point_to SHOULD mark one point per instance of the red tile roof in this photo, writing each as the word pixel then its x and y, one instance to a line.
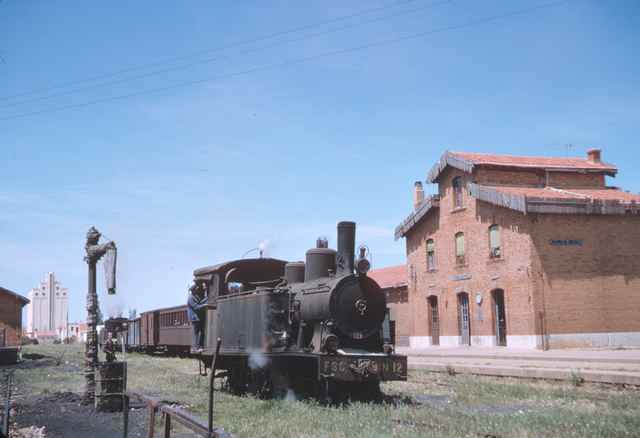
pixel 608 194
pixel 536 162
pixel 551 193
pixel 466 161
pixel 390 277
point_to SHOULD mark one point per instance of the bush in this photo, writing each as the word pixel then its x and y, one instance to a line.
pixel 576 378
pixel 57 341
pixel 25 340
pixel 450 370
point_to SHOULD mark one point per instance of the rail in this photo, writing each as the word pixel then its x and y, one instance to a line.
pixel 6 408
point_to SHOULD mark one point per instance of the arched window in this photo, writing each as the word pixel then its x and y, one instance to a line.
pixel 434 320
pixel 457 191
pixel 431 255
pixel 460 259
pixel 495 250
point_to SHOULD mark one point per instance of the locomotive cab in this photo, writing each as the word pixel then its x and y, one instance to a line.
pixel 233 289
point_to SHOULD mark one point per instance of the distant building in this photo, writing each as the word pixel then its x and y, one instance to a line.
pixel 47 314
pixel 11 305
pixel 529 252
pixel 78 331
pixel 393 281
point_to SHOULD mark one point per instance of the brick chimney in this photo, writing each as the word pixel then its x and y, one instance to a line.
pixel 593 155
pixel 418 195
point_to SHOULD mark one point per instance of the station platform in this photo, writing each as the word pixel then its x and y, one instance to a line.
pixel 613 366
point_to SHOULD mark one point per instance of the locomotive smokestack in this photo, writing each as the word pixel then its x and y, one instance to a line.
pixel 346 246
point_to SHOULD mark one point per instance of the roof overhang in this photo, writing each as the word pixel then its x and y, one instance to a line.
pixel 495 197
pixel 448 159
pixel 427 205
pixel 400 285
pixel 20 298
pixel 550 205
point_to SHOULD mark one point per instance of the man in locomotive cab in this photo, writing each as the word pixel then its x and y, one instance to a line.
pixel 196 311
pixel 109 347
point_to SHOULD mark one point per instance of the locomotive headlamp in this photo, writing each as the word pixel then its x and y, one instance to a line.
pixel 363 266
pixel 331 344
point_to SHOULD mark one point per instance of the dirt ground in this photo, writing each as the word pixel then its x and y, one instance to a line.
pixel 61 412
pixel 63 415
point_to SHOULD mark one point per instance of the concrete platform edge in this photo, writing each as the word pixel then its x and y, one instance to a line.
pixel 618 378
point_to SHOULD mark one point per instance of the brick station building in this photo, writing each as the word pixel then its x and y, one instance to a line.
pixel 525 252
pixel 11 305
pixel 393 281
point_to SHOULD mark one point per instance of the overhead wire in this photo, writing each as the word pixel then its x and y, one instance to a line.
pixel 221 58
pixel 272 66
pixel 215 49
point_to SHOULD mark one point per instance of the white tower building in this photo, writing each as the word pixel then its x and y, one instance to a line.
pixel 47 313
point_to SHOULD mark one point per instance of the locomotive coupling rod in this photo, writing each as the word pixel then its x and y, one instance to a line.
pixel 211 379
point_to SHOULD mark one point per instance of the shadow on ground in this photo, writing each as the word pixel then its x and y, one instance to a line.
pixel 63 415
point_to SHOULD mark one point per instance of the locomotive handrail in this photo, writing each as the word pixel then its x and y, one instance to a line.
pixel 273 282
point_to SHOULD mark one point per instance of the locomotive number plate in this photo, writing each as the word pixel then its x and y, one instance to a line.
pixel 357 368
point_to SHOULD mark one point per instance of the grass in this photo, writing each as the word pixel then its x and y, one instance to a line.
pixel 443 404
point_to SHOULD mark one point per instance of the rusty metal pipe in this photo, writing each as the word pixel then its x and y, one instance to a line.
pixel 211 379
pixel 178 415
pixel 125 413
pixel 152 421
pixel 167 426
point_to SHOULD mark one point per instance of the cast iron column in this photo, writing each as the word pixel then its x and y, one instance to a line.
pixel 94 253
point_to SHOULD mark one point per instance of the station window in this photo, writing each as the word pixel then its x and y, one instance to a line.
pixel 460 250
pixel 457 191
pixel 431 255
pixel 495 250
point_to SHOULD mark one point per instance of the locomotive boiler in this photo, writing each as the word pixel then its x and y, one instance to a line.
pixel 319 327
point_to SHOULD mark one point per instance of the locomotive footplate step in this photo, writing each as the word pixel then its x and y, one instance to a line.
pixel 363 367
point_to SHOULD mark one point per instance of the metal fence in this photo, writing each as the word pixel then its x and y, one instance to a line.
pixel 171 415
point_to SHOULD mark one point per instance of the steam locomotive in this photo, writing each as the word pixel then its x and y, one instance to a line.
pixel 319 327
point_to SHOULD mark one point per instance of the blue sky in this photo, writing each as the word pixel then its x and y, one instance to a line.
pixel 199 174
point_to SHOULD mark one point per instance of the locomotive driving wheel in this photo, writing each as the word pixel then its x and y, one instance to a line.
pixel 337 393
pixel 263 382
